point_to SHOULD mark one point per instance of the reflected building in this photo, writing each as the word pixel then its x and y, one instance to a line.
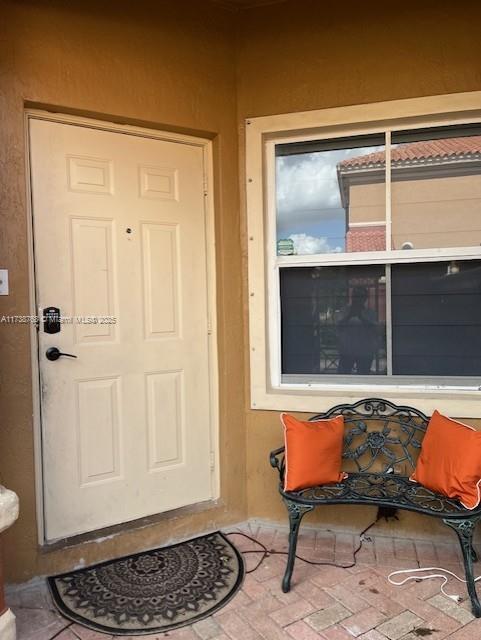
pixel 435 195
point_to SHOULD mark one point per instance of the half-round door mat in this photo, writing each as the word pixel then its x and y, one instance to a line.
pixel 154 591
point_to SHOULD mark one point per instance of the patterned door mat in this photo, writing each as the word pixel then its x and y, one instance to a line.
pixel 154 591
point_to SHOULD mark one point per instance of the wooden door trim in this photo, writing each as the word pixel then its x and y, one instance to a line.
pixel 206 145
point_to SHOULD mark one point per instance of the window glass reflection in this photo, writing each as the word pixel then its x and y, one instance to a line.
pixel 321 207
pixel 333 320
pixel 436 318
pixel 436 189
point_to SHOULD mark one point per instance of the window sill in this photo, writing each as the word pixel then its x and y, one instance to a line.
pixel 458 402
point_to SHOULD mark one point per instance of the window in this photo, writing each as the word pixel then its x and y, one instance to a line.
pixel 390 319
pixel 371 248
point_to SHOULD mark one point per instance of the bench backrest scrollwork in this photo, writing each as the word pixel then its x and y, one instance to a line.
pixel 380 436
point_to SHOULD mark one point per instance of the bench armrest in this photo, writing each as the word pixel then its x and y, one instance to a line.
pixel 277 461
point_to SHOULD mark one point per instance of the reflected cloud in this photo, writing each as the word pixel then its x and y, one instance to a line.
pixel 307 183
pixel 307 245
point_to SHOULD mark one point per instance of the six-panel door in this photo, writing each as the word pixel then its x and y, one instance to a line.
pixel 120 249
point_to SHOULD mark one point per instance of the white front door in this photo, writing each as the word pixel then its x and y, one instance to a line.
pixel 120 249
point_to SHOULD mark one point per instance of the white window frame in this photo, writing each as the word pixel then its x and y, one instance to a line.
pixel 262 134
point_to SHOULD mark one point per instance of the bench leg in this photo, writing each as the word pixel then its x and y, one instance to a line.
pixel 296 513
pixel 464 530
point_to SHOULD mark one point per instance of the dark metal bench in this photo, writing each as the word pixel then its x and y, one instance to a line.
pixel 381 444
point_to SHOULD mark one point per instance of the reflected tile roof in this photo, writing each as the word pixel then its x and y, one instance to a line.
pixel 366 239
pixel 445 149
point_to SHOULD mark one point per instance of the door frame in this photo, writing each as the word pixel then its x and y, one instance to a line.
pixel 209 216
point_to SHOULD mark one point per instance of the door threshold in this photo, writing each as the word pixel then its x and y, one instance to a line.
pixel 140 523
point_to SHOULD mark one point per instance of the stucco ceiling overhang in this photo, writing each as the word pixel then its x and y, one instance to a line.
pixel 245 4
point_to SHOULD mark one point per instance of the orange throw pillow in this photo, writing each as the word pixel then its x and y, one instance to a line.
pixel 450 460
pixel 313 452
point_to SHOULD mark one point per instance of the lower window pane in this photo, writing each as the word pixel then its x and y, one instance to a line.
pixel 333 320
pixel 436 312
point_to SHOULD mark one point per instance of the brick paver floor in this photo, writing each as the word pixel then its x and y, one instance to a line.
pixel 325 603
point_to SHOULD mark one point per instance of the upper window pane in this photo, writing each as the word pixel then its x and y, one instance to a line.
pixel 436 188
pixel 324 202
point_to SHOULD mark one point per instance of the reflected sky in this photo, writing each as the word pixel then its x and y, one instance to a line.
pixel 309 209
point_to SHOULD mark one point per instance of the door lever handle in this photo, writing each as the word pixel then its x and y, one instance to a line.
pixel 53 354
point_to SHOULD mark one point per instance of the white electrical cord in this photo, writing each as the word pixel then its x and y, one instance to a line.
pixel 445 579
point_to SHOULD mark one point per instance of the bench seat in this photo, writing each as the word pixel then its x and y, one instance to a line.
pixel 381 490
